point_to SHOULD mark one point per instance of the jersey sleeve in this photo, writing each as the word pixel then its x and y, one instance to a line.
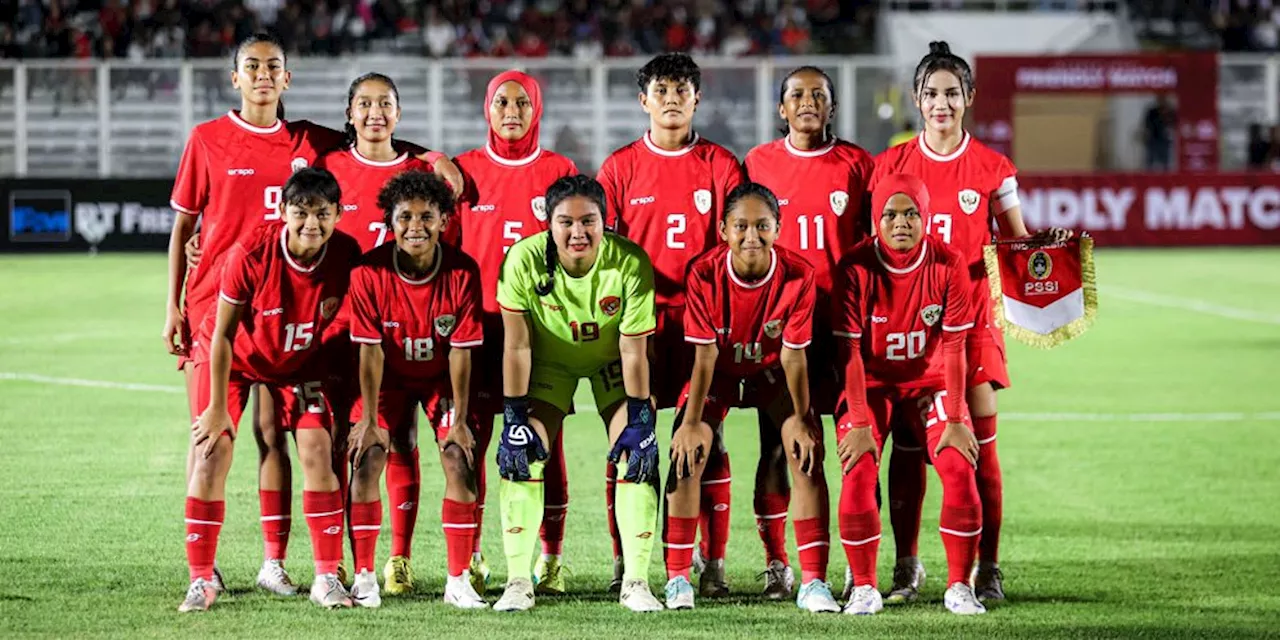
pixel 798 332
pixel 639 316
pixel 699 327
pixel 366 323
pixel 611 181
pixel 846 320
pixel 237 283
pixel 515 283
pixel 469 332
pixel 191 186
pixel 1005 197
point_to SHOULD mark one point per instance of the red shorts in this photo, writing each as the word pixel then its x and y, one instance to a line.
pixel 671 358
pixel 298 406
pixel 922 414
pixel 759 391
pixel 397 406
pixel 984 350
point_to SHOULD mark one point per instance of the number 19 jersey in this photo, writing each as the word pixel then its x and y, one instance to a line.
pixel 577 326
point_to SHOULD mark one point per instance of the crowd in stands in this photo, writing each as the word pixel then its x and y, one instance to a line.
pixel 587 29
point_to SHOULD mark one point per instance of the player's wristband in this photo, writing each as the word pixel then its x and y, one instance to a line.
pixel 515 410
pixel 640 412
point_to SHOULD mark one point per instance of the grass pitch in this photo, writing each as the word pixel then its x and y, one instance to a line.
pixel 1140 481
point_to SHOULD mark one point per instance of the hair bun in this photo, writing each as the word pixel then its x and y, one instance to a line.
pixel 939 47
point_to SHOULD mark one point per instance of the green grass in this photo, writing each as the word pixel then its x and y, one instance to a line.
pixel 1114 527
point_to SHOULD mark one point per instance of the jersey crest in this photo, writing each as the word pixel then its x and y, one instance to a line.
pixel 539 206
pixel 773 329
pixel 329 307
pixel 839 200
pixel 969 201
pixel 610 305
pixel 702 200
pixel 298 164
pixel 445 324
pixel 931 314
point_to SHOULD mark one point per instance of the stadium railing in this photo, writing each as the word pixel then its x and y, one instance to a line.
pixel 119 119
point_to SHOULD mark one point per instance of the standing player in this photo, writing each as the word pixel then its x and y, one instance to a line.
pixel 900 297
pixel 367 161
pixel 821 184
pixel 230 182
pixel 666 191
pixel 750 313
pixel 504 201
pixel 415 314
pixel 577 303
pixel 280 289
pixel 971 187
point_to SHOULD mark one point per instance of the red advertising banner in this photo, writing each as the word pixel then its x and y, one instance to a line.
pixel 1190 78
pixel 1157 209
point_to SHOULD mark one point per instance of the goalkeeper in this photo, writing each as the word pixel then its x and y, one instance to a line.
pixel 577 302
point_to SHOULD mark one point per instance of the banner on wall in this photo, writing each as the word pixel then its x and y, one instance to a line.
pixel 1191 78
pixel 80 215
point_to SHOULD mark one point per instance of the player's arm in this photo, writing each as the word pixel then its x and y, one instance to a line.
pixel 1007 210
pixel 184 227
pixel 460 378
pixel 634 351
pixel 517 354
pixel 797 431
pixel 847 325
pixel 216 419
pixel 957 320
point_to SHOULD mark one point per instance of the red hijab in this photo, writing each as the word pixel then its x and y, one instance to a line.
pixel 525 146
pixel 889 186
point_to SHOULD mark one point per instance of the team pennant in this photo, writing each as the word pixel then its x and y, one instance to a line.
pixel 1044 295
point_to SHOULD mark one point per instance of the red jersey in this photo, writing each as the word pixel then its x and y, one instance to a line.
pixel 670 203
pixel 416 321
pixel 286 307
pixel 232 175
pixel 361 180
pixel 967 189
pixel 823 196
pixel 750 323
pixel 899 314
pixel 503 202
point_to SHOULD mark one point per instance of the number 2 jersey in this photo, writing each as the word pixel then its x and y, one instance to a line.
pixel 749 322
pixel 669 203
pixel 285 306
pixel 416 320
pixel 577 326
pixel 232 175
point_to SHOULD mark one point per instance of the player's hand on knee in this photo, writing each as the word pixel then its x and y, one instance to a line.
pixel 959 437
pixel 208 429
pixel 518 441
pixel 364 436
pixel 690 446
pixel 800 443
pixel 172 334
pixel 460 435
pixel 639 441
pixel 193 251
pixel 858 442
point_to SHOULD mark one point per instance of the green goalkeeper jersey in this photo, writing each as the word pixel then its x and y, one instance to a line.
pixel 576 327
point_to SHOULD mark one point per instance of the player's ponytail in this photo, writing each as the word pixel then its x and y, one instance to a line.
pixel 349 129
pixel 940 58
pixel 578 186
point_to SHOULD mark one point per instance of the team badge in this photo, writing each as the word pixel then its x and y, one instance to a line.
pixel 702 200
pixel 298 164
pixel 1040 265
pixel 329 307
pixel 839 200
pixel 610 305
pixel 773 328
pixel 539 206
pixel 931 314
pixel 445 324
pixel 969 200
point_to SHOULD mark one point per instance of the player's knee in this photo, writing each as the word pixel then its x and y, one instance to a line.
pixel 371 466
pixel 454 461
pixel 959 479
pixel 316 454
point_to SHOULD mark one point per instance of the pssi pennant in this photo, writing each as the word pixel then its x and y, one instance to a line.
pixel 1043 294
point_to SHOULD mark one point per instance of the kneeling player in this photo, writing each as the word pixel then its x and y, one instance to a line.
pixel 750 313
pixel 577 302
pixel 414 313
pixel 281 288
pixel 898 298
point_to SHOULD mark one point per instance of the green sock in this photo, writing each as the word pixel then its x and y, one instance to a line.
pixel 521 515
pixel 636 508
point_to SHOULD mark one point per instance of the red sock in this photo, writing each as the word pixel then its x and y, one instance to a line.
pixel 813 545
pixel 555 485
pixel 366 523
pixel 403 487
pixel 907 482
pixel 961 519
pixel 860 521
pixel 990 489
pixel 714 509
pixel 204 523
pixel 771 522
pixel 610 484
pixel 459 521
pixel 275 507
pixel 324 518
pixel 485 430
pixel 679 545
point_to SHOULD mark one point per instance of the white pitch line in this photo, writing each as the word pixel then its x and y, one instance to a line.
pixel 1190 304
pixel 99 384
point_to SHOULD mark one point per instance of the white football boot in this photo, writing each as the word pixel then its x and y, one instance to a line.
pixel 637 597
pixel 275 579
pixel 459 592
pixel 865 601
pixel 815 597
pixel 365 591
pixel 200 595
pixel 679 593
pixel 961 601
pixel 518 596
pixel 327 591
